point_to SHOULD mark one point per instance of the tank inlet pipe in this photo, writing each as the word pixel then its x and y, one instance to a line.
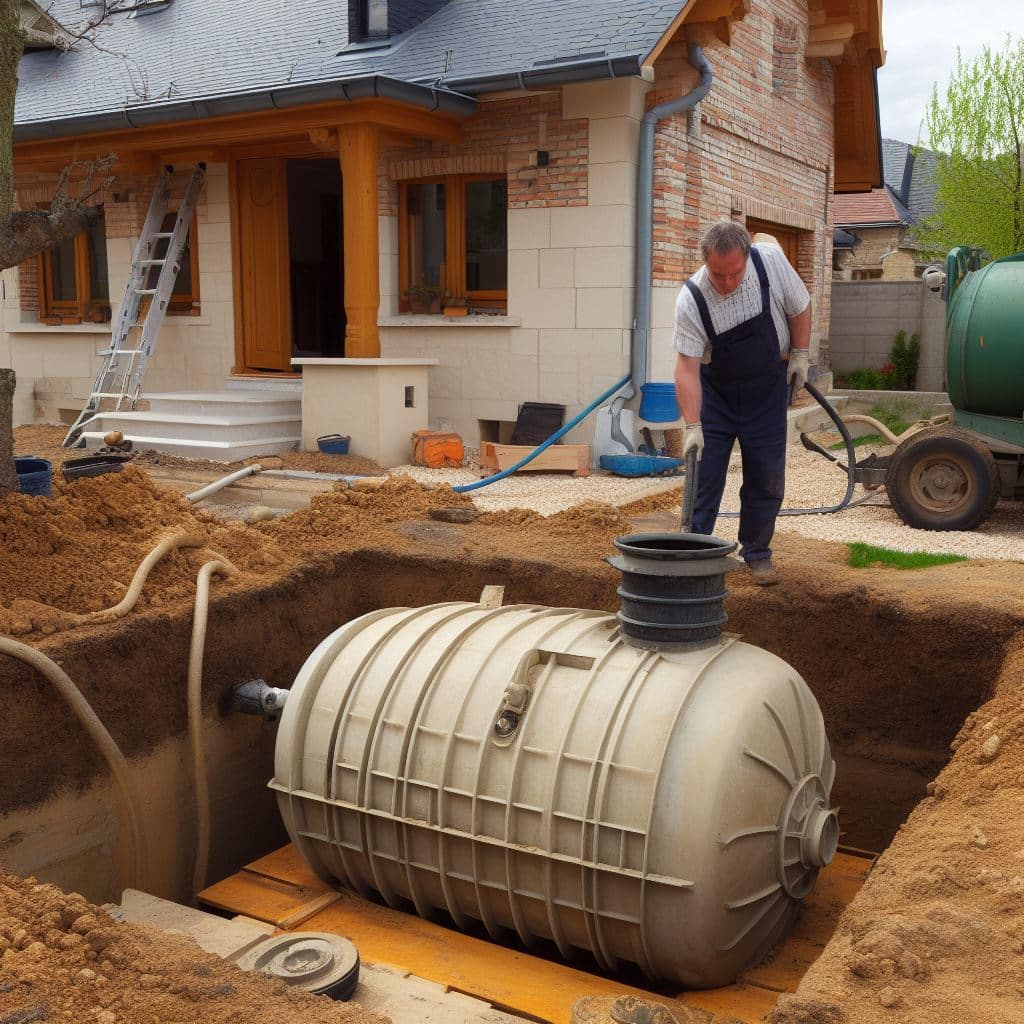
pixel 557 435
pixel 224 481
pixel 257 697
pixel 645 213
pixel 130 852
pixel 222 567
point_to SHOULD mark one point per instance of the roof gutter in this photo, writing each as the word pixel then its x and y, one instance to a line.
pixel 423 97
pixel 551 74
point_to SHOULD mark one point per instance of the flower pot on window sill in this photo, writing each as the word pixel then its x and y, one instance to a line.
pixel 456 309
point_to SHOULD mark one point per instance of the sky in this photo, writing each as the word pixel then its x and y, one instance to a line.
pixel 921 38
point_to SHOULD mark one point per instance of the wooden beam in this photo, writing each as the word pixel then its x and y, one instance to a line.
pixel 360 148
pixel 831 51
pixel 239 129
pixel 669 34
pixel 833 32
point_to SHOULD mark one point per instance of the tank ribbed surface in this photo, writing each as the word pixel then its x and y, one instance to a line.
pixel 524 768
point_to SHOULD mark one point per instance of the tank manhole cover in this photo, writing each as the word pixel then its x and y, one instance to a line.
pixel 315 961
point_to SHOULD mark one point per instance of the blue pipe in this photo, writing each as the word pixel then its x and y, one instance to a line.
pixel 557 435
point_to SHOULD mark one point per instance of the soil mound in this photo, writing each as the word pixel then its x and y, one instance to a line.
pixel 62 959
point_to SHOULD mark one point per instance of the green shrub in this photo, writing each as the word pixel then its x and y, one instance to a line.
pixel 904 357
pixel 898 373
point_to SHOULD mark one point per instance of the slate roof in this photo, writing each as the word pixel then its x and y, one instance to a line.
pixel 859 209
pixel 195 49
pixel 911 176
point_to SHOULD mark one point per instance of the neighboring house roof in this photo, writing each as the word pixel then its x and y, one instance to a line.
pixel 843 239
pixel 876 208
pixel 197 49
pixel 910 173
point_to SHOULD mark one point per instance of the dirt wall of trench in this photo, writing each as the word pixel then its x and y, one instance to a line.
pixel 896 675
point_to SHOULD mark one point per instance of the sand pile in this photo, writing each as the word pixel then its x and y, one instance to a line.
pixel 937 934
pixel 62 959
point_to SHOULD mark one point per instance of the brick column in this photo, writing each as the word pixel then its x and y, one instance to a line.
pixel 359 146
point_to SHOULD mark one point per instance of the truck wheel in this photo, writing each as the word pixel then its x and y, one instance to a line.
pixel 942 479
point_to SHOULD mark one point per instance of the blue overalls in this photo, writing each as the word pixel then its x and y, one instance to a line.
pixel 745 395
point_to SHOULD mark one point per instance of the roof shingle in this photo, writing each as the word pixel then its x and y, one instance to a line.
pixel 195 49
pixel 854 209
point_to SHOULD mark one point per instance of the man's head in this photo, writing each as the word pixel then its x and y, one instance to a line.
pixel 725 248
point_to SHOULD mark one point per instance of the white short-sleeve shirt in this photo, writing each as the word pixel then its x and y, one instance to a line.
pixel 789 297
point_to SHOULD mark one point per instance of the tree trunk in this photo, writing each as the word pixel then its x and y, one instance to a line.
pixel 8 475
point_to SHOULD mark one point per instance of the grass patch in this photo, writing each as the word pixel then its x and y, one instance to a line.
pixel 863 556
pixel 890 415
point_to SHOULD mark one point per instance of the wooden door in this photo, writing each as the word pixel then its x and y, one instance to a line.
pixel 788 238
pixel 264 263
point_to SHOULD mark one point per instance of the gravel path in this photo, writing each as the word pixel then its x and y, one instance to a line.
pixel 545 493
pixel 810 481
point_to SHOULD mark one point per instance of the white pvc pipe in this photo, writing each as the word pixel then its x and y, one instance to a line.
pixel 130 854
pixel 224 481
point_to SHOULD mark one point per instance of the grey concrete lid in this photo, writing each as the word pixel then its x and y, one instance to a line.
pixel 196 49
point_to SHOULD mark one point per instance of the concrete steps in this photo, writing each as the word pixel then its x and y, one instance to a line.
pixel 223 426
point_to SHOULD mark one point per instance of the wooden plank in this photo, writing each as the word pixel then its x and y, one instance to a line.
pixel 748 1004
pixel 507 978
pixel 571 457
pixel 287 865
pixel 280 888
pixel 836 887
pixel 278 903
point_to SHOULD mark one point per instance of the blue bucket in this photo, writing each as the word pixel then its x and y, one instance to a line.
pixel 333 444
pixel 35 476
pixel 658 404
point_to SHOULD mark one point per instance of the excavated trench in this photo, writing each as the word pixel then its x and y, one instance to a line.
pixel 895 679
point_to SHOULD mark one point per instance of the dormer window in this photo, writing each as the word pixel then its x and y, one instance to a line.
pixel 373 19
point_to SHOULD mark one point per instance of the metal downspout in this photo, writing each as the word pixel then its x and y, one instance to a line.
pixel 645 215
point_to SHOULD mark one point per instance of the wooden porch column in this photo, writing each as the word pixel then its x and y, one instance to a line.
pixel 359 145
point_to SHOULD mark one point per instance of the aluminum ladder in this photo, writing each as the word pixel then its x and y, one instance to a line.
pixel 133 339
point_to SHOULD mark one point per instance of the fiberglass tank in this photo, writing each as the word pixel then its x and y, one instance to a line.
pixel 645 791
pixel 985 340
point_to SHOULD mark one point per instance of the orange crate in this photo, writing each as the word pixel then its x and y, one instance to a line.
pixel 574 458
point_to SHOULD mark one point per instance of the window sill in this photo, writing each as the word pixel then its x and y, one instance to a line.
pixel 439 320
pixel 33 328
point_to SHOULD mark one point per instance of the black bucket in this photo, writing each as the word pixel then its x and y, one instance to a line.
pixel 673 588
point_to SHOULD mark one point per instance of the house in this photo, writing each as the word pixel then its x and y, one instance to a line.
pixel 369 162
pixel 877 236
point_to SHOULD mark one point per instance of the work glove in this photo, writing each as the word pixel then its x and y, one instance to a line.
pixel 796 372
pixel 693 437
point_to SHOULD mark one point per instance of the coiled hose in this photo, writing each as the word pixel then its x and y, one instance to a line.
pixel 851 468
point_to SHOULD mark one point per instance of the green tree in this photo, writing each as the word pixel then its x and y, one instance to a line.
pixel 977 127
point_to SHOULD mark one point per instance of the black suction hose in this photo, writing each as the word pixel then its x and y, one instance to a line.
pixel 851 459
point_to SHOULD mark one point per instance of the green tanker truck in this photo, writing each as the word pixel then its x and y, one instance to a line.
pixel 950 476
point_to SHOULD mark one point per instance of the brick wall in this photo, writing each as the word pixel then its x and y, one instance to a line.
pixel 761 146
pixel 500 137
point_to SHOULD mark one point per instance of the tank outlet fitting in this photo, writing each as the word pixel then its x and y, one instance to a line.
pixel 820 839
pixel 257 697
pixel 673 589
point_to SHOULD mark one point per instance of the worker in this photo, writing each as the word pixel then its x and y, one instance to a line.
pixel 743 327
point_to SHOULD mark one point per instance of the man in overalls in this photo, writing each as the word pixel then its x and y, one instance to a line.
pixel 743 326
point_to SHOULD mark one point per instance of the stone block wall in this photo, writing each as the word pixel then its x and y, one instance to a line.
pixel 571 241
pixel 866 316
